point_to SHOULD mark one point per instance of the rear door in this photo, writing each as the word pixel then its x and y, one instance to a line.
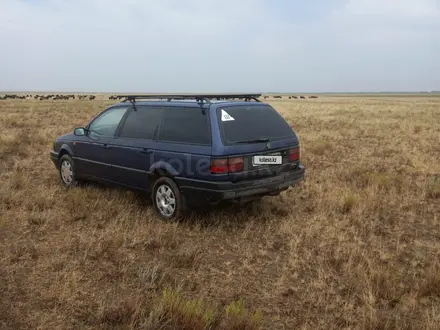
pixel 131 151
pixel 261 136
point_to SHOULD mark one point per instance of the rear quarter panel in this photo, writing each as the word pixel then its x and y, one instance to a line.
pixel 187 160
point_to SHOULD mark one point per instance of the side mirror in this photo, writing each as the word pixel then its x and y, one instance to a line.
pixel 79 131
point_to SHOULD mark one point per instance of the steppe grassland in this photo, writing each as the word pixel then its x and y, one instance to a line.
pixel 356 245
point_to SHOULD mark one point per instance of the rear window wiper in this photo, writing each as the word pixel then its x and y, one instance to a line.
pixel 260 140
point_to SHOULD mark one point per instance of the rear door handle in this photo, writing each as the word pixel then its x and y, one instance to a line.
pixel 106 146
pixel 145 151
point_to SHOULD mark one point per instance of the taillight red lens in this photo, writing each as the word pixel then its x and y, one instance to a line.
pixel 219 166
pixel 236 164
pixel 294 154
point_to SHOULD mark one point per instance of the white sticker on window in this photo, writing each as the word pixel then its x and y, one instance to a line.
pixel 226 116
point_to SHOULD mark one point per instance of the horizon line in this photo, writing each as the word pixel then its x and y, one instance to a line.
pixel 191 93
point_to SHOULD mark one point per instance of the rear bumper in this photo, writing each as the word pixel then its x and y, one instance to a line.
pixel 54 157
pixel 218 191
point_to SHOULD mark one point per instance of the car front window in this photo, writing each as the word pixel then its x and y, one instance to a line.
pixel 106 124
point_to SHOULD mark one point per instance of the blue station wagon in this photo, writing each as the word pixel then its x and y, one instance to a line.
pixel 185 150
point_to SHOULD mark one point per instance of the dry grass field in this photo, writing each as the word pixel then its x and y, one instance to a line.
pixel 355 246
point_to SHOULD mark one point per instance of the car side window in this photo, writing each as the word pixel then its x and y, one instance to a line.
pixel 141 123
pixel 185 125
pixel 106 124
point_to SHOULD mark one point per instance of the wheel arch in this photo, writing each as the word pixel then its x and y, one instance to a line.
pixel 163 167
pixel 158 170
pixel 65 149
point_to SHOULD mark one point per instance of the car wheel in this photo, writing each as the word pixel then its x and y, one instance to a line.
pixel 167 199
pixel 67 171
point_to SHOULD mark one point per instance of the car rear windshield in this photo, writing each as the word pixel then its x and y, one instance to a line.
pixel 249 123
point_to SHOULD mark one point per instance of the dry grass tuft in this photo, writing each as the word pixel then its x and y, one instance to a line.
pixel 348 203
pixel 320 147
pixel 433 187
pixel 355 246
pixel 172 311
pixel 239 318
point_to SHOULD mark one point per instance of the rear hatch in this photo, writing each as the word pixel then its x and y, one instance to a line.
pixel 259 137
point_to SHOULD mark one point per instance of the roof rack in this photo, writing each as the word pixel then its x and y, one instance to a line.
pixel 198 97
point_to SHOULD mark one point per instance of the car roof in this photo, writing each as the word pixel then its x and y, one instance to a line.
pixel 190 103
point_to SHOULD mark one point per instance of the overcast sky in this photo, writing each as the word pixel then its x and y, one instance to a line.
pixel 219 46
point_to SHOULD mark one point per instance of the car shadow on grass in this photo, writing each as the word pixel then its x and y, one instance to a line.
pixel 223 214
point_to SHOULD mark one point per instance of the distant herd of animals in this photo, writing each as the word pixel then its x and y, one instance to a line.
pixel 47 97
pixel 111 97
pixel 291 97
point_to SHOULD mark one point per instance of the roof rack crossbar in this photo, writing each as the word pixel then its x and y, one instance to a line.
pixel 198 97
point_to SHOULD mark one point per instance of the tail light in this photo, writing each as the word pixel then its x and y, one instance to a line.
pixel 236 164
pixel 294 154
pixel 219 166
pixel 230 165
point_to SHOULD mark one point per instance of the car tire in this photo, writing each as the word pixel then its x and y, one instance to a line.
pixel 67 171
pixel 167 199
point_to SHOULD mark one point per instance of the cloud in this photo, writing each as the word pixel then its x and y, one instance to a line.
pixel 420 9
pixel 207 45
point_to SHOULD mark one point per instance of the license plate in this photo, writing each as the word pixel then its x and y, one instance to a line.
pixel 267 160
